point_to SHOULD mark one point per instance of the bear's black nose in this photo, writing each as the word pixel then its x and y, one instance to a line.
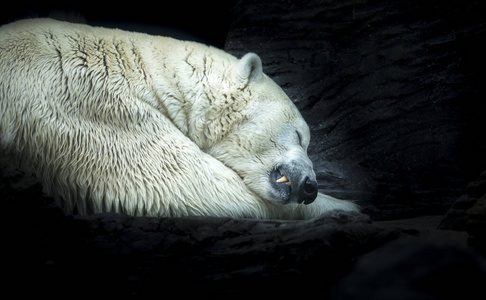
pixel 307 190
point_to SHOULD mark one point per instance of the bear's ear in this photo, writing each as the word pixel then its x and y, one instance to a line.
pixel 249 68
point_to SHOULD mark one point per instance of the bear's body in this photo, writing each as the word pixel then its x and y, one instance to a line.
pixel 114 121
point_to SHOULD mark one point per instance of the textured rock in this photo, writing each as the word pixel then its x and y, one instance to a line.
pixel 476 225
pixel 117 255
pixel 457 217
pixel 415 269
pixel 391 90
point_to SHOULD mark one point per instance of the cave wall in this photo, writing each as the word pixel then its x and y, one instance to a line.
pixel 392 92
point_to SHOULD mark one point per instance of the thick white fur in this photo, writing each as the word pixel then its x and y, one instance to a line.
pixel 112 121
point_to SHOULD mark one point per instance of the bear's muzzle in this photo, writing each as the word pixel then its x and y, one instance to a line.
pixel 294 183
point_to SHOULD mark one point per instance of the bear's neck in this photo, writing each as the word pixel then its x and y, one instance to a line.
pixel 194 89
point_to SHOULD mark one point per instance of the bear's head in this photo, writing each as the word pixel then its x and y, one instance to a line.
pixel 267 144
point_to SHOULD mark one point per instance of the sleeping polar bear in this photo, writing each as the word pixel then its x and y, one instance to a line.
pixel 114 121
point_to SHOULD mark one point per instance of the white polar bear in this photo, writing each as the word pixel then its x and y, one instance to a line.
pixel 113 121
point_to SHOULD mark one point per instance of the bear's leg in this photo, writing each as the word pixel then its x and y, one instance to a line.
pixel 321 205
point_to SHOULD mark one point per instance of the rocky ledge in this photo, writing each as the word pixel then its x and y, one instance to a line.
pixel 336 256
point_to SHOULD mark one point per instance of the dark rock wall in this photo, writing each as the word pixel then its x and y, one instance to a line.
pixel 138 258
pixel 393 93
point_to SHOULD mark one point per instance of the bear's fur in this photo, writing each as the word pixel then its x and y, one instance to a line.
pixel 114 121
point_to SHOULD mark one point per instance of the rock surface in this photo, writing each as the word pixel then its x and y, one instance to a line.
pixel 459 214
pixel 476 225
pixel 118 255
pixel 415 269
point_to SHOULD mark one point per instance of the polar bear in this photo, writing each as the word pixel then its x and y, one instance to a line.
pixel 115 121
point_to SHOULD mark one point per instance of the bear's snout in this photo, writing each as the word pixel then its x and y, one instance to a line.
pixel 293 185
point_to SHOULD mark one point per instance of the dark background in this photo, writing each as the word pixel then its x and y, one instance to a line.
pixel 197 20
pixel 394 94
